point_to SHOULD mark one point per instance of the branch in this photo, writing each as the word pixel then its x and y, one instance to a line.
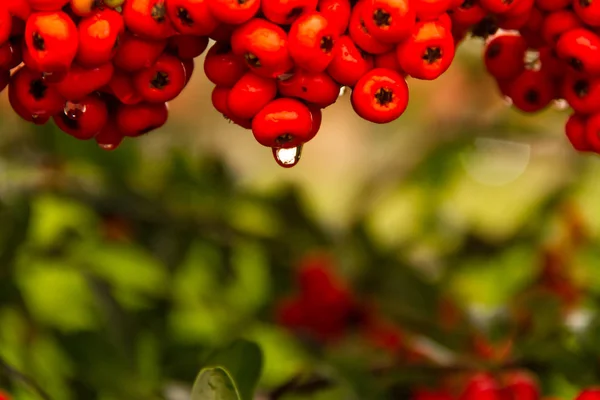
pixel 17 375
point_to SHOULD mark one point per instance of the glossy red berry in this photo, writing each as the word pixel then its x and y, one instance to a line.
pixel 250 94
pixel 388 60
pixel 83 119
pixel 234 12
pixel 110 137
pixel 589 394
pixel 191 17
pixel 359 33
pixel 220 99
pixel 51 40
pixel 380 96
pixel 520 385
pixel 47 5
pixel 161 82
pixel 264 47
pixel 498 6
pixel 188 66
pixel 122 87
pixel 349 63
pixel 557 23
pixel 98 37
pixel 431 9
pixel 315 88
pixel 504 56
pixel 19 9
pixel 5 24
pixel 140 119
pixel 575 131
pixel 10 55
pixel 283 123
pixel 135 53
pixel 337 13
pixel 428 52
pixel 222 67
pixel 286 12
pixel 188 47
pixel 34 95
pixel 531 91
pixel 588 11
pixel 311 41
pixel 582 92
pixel 481 387
pixel 148 18
pixel 469 13
pixel 81 82
pixel 580 48
pixel 592 138
pixel 389 21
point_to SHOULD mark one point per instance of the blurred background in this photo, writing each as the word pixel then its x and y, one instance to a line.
pixel 120 271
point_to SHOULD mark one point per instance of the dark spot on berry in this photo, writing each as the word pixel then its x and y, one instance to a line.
pixel 223 48
pixel 384 96
pixel 363 27
pixel 37 88
pixel 432 54
pixel 294 13
pixel 507 2
pixel 241 2
pixel 184 16
pixel 147 130
pixel 581 88
pixel 117 42
pixel 576 64
pixel 159 12
pixel 494 50
pixel 585 3
pixel 285 138
pixel 160 80
pixel 382 18
pixel 304 89
pixel 467 4
pixel 327 44
pixel 532 96
pixel 485 28
pixel 71 123
pixel 252 60
pixel 38 42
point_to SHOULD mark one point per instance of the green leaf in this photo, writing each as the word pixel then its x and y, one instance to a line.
pixel 241 362
pixel 215 384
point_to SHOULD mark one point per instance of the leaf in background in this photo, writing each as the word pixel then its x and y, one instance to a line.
pixel 214 384
pixel 242 361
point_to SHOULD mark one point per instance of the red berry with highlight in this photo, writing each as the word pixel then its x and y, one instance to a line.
pixel 380 96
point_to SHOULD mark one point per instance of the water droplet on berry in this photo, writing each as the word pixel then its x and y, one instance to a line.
pixel 560 104
pixel 74 110
pixel 508 101
pixel 287 158
pixel 342 91
pixel 107 146
pixel 532 60
pixel 285 77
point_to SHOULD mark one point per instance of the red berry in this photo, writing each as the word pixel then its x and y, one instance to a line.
pixel 135 53
pixel 311 41
pixel 428 52
pixel 388 60
pixel 148 18
pixel 582 92
pixel 140 119
pixel 551 64
pixel 250 94
pixel 431 9
pixel 552 5
pixel 580 48
pixel 51 39
pixel 234 12
pixel 98 37
pixel 589 394
pixel 33 94
pixel 380 96
pixel 469 13
pixel 191 17
pixel 531 91
pixel 222 33
pixel 575 130
pixel 264 47
pixel 85 8
pixel 504 56
pixel 359 33
pixel 162 82
pixel 5 24
pixel 498 6
pixel 10 55
pixel 19 9
pixel 121 86
pixel 520 385
pixel 188 47
pixel 588 11
pixel 109 137
pixel 222 67
pixel 315 88
pixel 592 137
pixel 81 82
pixel 337 13
pixel 83 119
pixel 220 97
pixel 557 23
pixel 286 12
pixel 188 66
pixel 481 387
pixel 521 16
pixel 283 123
pixel 47 5
pixel 389 21
pixel 349 63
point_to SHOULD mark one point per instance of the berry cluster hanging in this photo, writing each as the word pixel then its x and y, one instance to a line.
pixel 106 69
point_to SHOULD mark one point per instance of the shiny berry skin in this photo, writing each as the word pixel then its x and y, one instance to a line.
pixel 481 387
pixel 588 11
pixel 84 8
pixel 5 24
pixel 592 137
pixel 380 96
pixel 109 137
pixel 286 12
pixel 47 5
pixel 431 9
pixel 337 13
pixel 33 94
pixel 264 47
pixel 250 94
pixel 557 23
pixel 582 92
pixel 504 56
pixel 428 52
pixel 222 67
pixel 98 37
pixel 19 9
pixel 135 53
pixel 361 36
pixel 191 17
pixel 589 394
pixel 10 55
pixel 469 13
pixel 520 16
pixel 188 66
pixel 317 118
pixel 234 12
pixel 148 18
pixel 83 119
pixel 19 109
pixel 531 91
pixel 122 87
pixel 389 21
pixel 349 63
pixel 161 82
pixel 388 60
pixel 81 82
pixel 51 40
pixel 498 6
pixel 139 119
pixel 520 385
pixel 187 47
pixel 283 123
pixel 220 98
pixel 314 88
pixel 580 48
pixel 311 41
pixel 575 131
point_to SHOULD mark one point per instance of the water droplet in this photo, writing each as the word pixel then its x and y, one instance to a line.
pixel 342 91
pixel 532 60
pixel 287 158
pixel 107 146
pixel 508 101
pixel 74 110
pixel 560 104
pixel 285 77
